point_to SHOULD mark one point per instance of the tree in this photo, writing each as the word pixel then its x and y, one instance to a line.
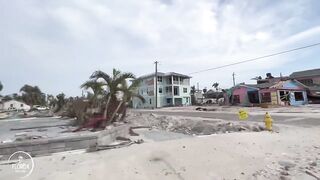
pixel 128 93
pixel 113 86
pixel 61 99
pixel 32 95
pixel 216 86
pixel 51 101
pixel 1 86
pixel 192 90
pixel 97 89
pixel 204 90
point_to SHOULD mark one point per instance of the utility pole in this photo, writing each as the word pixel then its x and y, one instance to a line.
pixel 156 81
pixel 197 86
pixel 234 81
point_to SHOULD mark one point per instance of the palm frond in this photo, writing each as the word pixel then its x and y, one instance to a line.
pixel 139 97
pixel 100 74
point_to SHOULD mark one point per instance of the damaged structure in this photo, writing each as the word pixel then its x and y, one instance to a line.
pixel 287 92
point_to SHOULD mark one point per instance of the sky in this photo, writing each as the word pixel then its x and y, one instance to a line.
pixel 57 44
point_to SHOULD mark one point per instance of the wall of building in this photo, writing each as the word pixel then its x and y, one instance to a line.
pixel 242 93
pixel 148 84
pixel 15 104
pixel 294 102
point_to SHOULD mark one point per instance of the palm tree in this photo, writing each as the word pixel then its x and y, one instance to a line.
pixel 128 93
pixel 216 86
pixel 113 85
pixel 97 88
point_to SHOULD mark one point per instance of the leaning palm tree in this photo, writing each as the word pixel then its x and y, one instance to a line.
pixel 113 85
pixel 128 93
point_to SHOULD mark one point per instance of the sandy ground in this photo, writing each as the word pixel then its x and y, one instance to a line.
pixel 246 155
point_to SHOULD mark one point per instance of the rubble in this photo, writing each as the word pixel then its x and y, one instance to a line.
pixel 191 126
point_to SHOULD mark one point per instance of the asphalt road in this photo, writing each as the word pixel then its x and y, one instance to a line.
pixel 277 119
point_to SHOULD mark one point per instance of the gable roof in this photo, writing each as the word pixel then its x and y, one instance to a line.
pixel 262 85
pixel 312 72
pixel 280 84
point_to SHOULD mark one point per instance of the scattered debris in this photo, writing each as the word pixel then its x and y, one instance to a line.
pixel 114 146
pixel 189 126
pixel 312 174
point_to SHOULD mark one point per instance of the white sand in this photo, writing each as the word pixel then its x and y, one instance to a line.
pixel 224 156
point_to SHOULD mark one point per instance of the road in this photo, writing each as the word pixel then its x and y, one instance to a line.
pixel 278 118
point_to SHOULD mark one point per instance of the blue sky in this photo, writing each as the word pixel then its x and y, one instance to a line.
pixel 58 44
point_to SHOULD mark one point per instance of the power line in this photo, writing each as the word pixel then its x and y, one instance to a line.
pixel 258 58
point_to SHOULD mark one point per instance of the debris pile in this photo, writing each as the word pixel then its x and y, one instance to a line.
pixel 191 126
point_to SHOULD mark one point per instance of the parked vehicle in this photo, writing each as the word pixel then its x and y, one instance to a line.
pixel 40 108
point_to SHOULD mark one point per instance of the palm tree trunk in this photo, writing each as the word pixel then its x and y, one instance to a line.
pixel 115 112
pixel 105 113
pixel 124 113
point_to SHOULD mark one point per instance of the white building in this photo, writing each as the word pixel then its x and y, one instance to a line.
pixel 173 90
pixel 13 104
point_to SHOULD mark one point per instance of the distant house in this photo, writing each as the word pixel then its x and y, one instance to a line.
pixel 311 79
pixel 173 89
pixel 288 92
pixel 13 104
pixel 244 95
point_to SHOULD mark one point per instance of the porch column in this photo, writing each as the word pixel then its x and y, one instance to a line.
pixel 172 90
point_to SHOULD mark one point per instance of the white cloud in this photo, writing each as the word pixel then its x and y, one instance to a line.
pixel 76 37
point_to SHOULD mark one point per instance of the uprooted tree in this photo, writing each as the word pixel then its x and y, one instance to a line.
pixel 109 97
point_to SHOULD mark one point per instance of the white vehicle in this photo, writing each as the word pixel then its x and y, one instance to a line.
pixel 40 108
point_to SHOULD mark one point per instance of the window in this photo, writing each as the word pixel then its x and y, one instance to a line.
pixel 159 79
pixel 298 96
pixel 21 105
pixel 160 90
pixel 168 100
pixel 236 99
pixel 176 91
pixel 181 79
pixel 150 101
pixel 265 97
pixel 185 90
pixel 175 78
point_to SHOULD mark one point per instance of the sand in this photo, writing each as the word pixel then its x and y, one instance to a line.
pixel 246 155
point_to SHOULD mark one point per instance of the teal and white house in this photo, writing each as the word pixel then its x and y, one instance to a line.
pixel 173 89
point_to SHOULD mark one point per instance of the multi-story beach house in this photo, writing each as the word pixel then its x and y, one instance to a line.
pixel 173 89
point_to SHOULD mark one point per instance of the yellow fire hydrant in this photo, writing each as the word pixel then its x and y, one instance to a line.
pixel 268 121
